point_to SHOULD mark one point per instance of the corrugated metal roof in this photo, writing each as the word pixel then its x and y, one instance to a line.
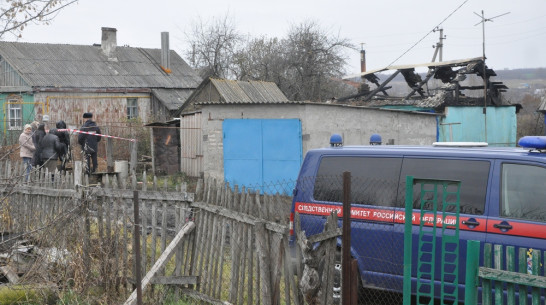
pixel 238 92
pixel 78 66
pixel 172 98
pixel 249 103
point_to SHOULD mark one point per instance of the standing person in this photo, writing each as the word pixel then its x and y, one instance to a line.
pixel 64 137
pixel 89 142
pixel 38 135
pixel 51 148
pixel 27 149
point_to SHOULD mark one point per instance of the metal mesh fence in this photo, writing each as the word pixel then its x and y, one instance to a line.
pixel 376 230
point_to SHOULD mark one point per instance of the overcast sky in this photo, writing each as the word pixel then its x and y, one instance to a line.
pixel 388 28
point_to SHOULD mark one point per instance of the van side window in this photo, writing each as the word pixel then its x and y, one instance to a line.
pixel 473 175
pixel 522 192
pixel 373 180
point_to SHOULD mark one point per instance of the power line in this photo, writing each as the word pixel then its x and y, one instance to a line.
pixel 433 28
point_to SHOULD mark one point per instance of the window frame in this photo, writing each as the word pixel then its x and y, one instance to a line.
pixel 15 108
pixel 132 110
pixel 502 191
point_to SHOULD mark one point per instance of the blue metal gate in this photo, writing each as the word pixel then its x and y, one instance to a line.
pixel 261 152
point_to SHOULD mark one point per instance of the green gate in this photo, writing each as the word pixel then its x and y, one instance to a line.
pixel 435 197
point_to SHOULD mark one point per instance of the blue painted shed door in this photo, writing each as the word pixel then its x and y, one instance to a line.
pixel 262 152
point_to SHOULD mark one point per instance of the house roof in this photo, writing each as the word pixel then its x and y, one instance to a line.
pixel 236 92
pixel 172 98
pixel 81 66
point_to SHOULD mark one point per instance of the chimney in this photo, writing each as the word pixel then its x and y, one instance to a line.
pixel 109 42
pixel 165 53
pixel 362 61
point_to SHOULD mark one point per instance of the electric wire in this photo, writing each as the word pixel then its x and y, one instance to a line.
pixel 431 31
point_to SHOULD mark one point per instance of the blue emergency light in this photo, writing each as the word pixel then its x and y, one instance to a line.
pixel 534 142
pixel 336 140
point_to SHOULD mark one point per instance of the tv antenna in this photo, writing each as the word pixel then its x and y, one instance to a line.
pixel 484 20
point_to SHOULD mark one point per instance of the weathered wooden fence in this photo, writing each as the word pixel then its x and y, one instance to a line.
pixel 506 278
pixel 238 252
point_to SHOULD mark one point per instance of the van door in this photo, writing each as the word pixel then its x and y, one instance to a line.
pixel 474 175
pixel 374 181
pixel 518 209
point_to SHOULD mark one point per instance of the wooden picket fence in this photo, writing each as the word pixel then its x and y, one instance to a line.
pixel 238 252
pixel 505 277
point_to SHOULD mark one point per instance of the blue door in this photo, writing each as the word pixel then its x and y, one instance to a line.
pixel 259 153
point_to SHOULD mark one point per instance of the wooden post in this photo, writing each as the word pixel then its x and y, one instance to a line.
pixel 264 261
pixel 109 153
pixel 133 165
pixel 136 247
pixel 152 148
pixel 346 241
pixel 78 171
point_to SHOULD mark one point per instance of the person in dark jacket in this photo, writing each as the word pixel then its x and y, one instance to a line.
pixel 38 135
pixel 89 142
pixel 64 137
pixel 50 150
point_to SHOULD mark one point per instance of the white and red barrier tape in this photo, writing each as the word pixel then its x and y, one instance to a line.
pixel 96 134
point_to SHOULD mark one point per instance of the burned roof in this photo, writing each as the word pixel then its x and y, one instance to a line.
pixel 82 66
pixel 451 73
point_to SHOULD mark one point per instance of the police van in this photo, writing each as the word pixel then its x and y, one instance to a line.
pixel 502 199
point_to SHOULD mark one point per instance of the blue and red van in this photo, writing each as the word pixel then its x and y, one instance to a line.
pixel 502 198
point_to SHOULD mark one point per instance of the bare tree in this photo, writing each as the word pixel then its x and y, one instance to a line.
pixel 315 60
pixel 307 65
pixel 261 59
pixel 212 46
pixel 15 15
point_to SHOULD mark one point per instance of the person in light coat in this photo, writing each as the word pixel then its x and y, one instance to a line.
pixel 27 149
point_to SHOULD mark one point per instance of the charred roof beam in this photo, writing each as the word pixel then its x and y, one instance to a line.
pixel 381 87
pixel 430 73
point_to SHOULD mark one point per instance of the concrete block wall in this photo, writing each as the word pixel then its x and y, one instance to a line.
pixel 319 122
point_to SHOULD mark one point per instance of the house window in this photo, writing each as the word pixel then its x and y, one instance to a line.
pixel 132 108
pixel 15 113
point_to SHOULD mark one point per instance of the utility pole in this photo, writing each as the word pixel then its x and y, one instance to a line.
pixel 439 45
pixel 484 69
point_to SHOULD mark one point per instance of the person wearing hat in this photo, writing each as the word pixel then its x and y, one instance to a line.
pixel 89 141
pixel 27 149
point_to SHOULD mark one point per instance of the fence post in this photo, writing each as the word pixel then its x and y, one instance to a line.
pixel 407 240
pixel 472 265
pixel 133 162
pixel 264 261
pixel 346 276
pixel 78 170
pixel 109 153
pixel 137 248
